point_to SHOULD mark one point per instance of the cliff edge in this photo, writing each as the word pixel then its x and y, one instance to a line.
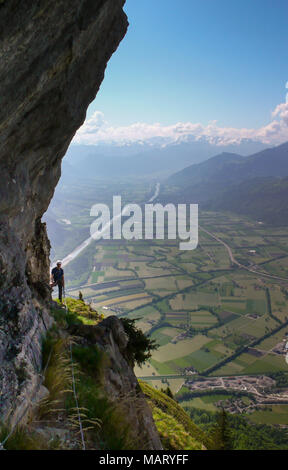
pixel 53 60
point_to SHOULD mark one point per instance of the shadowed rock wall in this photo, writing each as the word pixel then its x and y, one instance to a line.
pixel 53 58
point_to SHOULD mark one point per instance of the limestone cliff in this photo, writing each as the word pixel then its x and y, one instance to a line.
pixel 53 58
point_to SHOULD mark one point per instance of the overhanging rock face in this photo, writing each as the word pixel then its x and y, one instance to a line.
pixel 53 58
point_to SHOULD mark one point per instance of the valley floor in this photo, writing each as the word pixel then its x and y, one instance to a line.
pixel 218 311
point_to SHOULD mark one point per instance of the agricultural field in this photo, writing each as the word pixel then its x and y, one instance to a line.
pixel 208 315
pixel 271 414
pixel 205 403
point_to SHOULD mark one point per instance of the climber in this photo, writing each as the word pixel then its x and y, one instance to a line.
pixel 57 279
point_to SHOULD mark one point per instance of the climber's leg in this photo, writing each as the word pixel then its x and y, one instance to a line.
pixel 60 289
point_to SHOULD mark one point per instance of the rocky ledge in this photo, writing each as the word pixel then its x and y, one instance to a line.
pixel 119 381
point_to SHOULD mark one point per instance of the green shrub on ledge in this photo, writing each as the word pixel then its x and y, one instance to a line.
pixel 140 346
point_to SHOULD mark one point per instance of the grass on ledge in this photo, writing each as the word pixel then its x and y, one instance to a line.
pixel 77 313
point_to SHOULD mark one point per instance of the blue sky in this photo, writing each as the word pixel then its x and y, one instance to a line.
pixel 197 61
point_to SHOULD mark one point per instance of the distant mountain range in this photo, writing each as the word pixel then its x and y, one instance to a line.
pixel 256 185
pixel 263 199
pixel 87 161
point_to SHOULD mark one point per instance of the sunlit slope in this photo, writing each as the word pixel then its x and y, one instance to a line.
pixel 176 429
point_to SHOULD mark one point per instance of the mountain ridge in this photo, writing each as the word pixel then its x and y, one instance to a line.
pixel 238 184
pixel 140 160
pixel 234 167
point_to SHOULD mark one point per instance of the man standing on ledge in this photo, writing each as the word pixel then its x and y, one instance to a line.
pixel 57 279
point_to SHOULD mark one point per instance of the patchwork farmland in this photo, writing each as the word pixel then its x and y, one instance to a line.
pixel 211 317
pixel 208 315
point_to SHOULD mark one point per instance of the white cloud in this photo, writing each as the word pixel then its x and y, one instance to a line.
pixel 282 111
pixel 96 130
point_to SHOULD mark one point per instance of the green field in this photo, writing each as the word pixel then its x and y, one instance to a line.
pixel 206 403
pixel 199 308
pixel 274 414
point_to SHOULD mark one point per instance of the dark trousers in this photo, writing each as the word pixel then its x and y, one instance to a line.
pixel 60 290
